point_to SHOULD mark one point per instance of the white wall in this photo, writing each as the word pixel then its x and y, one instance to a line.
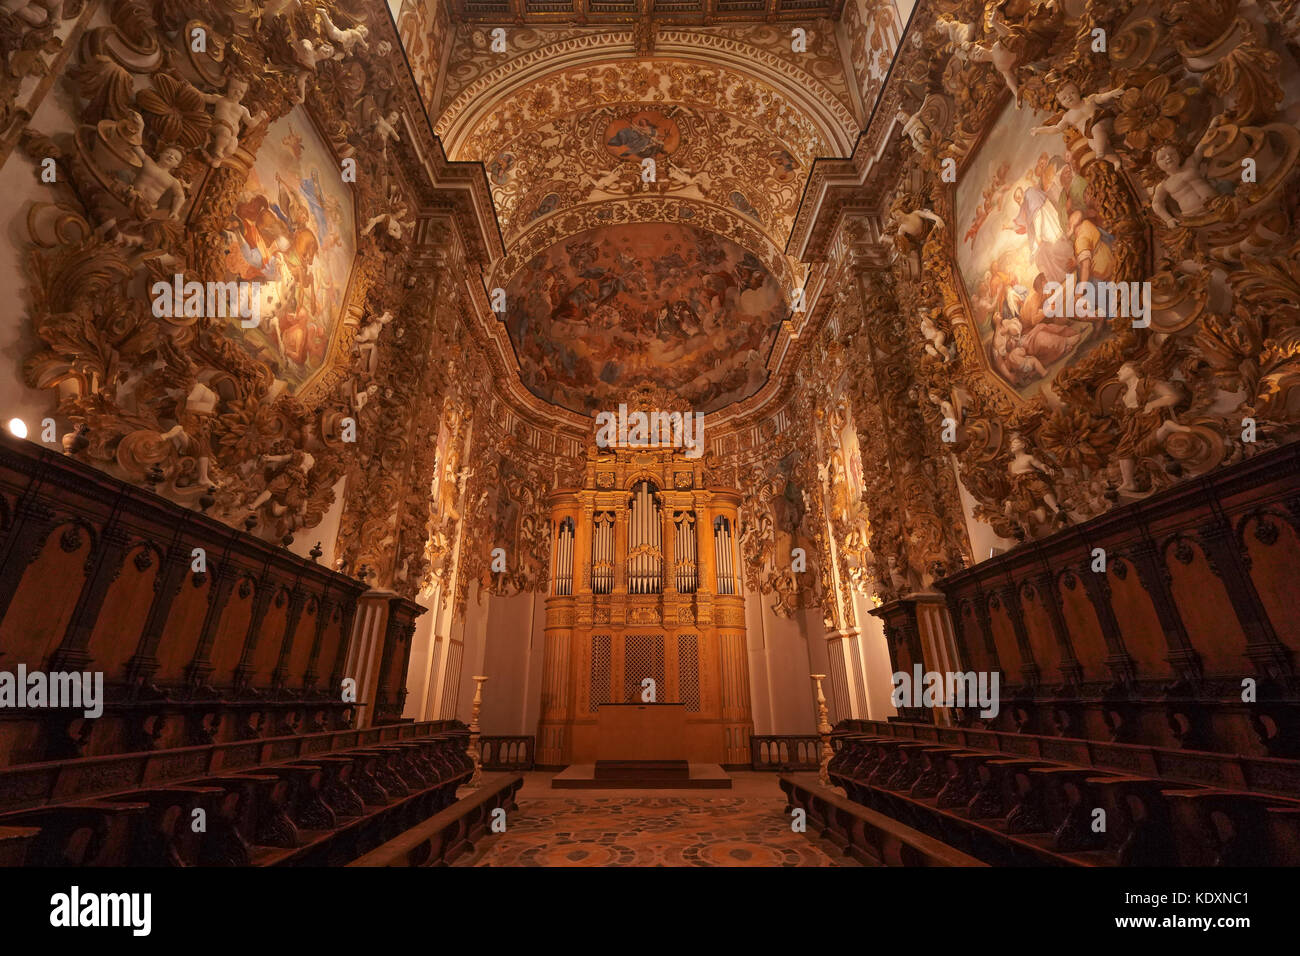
pixel 512 660
pixel 877 671
pixel 22 187
pixel 783 652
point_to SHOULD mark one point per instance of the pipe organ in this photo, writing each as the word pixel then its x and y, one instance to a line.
pixel 654 595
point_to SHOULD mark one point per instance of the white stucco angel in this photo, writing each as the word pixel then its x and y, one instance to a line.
pixel 155 183
pixel 1184 182
pixel 228 114
pixel 1002 56
pixel 907 228
pixel 190 433
pixel 308 55
pixel 916 130
pixel 935 339
pixel 367 341
pixel 1082 113
pixel 34 13
pixel 346 40
pixel 386 129
pixel 393 219
pixel 1146 414
pixel 1030 479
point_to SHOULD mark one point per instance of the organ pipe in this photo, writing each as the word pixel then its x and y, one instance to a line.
pixel 564 558
pixel 602 554
pixel 722 541
pixel 684 551
pixel 645 544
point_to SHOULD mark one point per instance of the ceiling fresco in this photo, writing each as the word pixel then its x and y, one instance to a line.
pixel 612 308
pixel 562 121
pixel 595 156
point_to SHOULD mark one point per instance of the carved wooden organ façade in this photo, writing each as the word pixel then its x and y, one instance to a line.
pixel 645 585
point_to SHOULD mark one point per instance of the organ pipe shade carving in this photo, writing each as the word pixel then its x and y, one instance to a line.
pixel 643 656
pixel 684 552
pixel 598 688
pixel 564 557
pixel 645 542
pixel 722 545
pixel 602 553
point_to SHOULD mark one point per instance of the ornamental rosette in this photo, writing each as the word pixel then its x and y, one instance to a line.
pixel 177 111
pixel 1146 115
pixel 1077 439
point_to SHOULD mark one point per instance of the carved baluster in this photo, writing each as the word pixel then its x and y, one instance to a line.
pixel 297 601
pixel 1009 595
pixel 1071 669
pixel 1154 576
pixel 1118 660
pixel 33 523
pixel 1229 561
pixel 166 585
pixel 106 565
pixel 266 589
pixel 986 628
pixel 223 577
pixel 324 611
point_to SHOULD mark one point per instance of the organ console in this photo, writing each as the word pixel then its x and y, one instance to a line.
pixel 644 585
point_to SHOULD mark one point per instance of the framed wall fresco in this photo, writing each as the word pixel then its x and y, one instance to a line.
pixel 293 230
pixel 1024 220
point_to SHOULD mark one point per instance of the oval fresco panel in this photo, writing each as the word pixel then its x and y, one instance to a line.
pixel 661 303
pixel 292 230
pixel 1024 221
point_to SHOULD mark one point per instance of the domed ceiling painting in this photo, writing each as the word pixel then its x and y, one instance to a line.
pixel 608 309
pixel 645 187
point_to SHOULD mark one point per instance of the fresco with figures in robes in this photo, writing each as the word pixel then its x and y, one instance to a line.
pixel 292 230
pixel 1024 221
pixel 612 308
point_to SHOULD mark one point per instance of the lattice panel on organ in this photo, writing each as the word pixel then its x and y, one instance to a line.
pixel 643 656
pixel 688 671
pixel 599 689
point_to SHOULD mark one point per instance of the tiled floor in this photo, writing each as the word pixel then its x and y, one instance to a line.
pixel 745 826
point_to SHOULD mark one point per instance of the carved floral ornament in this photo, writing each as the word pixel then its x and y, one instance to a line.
pixel 160 173
pixel 1142 150
pixel 843 456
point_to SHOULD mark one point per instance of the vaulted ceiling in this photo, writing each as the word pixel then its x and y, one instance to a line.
pixel 613 277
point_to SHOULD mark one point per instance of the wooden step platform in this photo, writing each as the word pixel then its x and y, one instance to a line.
pixel 643 770
pixel 642 775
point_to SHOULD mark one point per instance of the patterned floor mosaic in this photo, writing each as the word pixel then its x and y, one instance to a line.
pixel 651 831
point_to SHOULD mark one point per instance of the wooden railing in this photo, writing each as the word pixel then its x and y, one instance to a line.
pixel 87 778
pixel 452 832
pixel 867 836
pixel 298 801
pixel 506 753
pixel 1225 771
pixel 203 634
pixel 784 751
pixel 1141 626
